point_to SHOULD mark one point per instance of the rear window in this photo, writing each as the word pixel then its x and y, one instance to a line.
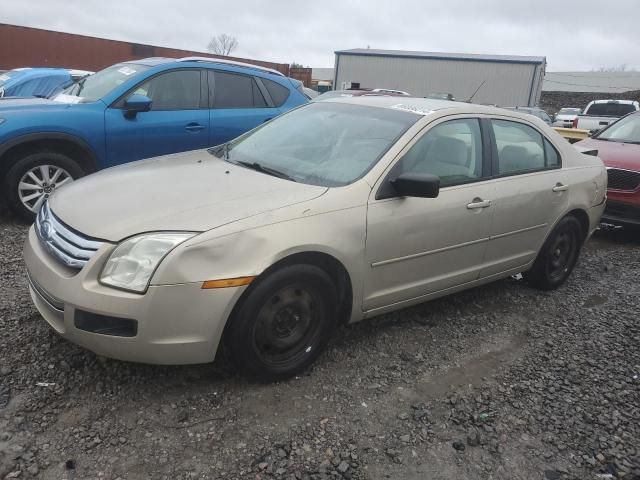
pixel 279 94
pixel 610 109
pixel 6 76
pixel 236 91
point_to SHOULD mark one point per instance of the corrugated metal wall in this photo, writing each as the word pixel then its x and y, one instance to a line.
pixel 506 84
pixel 34 47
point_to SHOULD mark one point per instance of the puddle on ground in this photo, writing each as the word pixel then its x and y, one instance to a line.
pixel 595 301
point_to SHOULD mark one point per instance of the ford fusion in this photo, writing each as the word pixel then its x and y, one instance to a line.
pixel 334 212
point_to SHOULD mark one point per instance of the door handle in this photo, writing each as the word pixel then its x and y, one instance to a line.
pixel 194 127
pixel 560 187
pixel 478 203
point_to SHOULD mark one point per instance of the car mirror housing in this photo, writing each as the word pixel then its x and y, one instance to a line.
pixel 421 185
pixel 135 104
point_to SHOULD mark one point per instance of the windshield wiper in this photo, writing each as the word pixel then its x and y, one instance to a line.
pixel 261 168
pixel 80 85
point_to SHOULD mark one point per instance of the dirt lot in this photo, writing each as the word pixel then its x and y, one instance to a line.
pixel 498 382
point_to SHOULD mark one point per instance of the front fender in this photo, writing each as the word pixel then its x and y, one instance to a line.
pixel 340 234
pixel 41 136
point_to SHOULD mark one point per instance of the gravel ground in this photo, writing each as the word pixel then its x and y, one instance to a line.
pixel 498 382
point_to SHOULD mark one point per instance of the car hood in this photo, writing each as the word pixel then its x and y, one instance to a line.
pixel 615 154
pixel 192 191
pixel 30 104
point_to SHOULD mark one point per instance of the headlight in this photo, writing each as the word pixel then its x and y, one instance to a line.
pixel 131 265
pixel 2 120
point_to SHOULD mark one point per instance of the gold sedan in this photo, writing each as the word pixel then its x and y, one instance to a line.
pixel 334 212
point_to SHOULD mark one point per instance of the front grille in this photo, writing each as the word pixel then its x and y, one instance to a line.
pixel 623 179
pixel 72 249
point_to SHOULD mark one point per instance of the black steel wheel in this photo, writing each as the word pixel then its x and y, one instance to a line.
pixel 558 256
pixel 283 323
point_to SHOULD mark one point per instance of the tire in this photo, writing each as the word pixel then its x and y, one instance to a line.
pixel 283 324
pixel 558 256
pixel 49 169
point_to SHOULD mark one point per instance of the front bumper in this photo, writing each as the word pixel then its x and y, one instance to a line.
pixel 175 324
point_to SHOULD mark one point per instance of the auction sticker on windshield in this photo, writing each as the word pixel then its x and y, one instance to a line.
pixel 127 71
pixel 412 108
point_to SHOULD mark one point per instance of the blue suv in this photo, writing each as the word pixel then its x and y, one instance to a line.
pixel 129 111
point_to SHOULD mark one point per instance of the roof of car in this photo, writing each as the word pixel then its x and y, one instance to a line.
pixel 427 106
pixel 612 100
pixel 155 61
pixel 418 105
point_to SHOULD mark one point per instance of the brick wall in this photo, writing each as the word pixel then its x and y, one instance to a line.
pixel 302 74
pixel 34 47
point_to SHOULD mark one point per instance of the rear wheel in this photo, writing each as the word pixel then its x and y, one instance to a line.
pixel 284 323
pixel 34 178
pixel 558 255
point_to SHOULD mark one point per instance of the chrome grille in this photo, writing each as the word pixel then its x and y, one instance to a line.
pixel 620 179
pixel 72 249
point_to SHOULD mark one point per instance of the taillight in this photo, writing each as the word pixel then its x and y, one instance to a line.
pixel 574 124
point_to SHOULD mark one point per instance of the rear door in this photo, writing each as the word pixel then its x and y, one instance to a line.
pixel 178 120
pixel 239 102
pixel 531 192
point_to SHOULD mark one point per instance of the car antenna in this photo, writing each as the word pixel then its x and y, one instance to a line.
pixel 474 93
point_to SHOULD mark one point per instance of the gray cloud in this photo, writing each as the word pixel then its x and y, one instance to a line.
pixel 572 35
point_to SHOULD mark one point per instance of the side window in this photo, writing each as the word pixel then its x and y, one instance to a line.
pixel 519 147
pixel 451 150
pixel 279 94
pixel 236 91
pixel 552 158
pixel 177 90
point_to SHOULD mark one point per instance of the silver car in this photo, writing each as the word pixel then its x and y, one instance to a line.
pixel 565 117
pixel 335 212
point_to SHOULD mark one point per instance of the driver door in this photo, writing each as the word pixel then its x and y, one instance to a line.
pixel 178 120
pixel 419 246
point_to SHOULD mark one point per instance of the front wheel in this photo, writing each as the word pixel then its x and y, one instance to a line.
pixel 34 178
pixel 284 323
pixel 558 256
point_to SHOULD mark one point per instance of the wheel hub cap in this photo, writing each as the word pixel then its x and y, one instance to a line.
pixel 38 183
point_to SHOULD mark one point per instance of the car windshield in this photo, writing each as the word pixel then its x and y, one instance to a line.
pixel 569 111
pixel 96 86
pixel 625 130
pixel 329 144
pixel 10 75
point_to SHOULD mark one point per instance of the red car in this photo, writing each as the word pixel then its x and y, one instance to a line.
pixel 618 146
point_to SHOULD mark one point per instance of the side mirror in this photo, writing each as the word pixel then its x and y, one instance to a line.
pixel 416 185
pixel 135 104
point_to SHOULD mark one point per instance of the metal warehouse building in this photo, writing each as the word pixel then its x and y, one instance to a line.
pixel 503 80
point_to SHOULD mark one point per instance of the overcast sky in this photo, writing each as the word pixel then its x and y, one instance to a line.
pixel 573 35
